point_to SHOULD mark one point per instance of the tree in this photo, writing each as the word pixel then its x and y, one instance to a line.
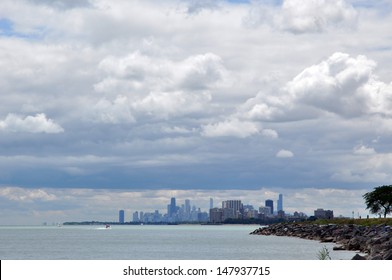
pixel 379 201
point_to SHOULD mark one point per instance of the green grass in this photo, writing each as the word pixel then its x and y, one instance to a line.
pixel 361 222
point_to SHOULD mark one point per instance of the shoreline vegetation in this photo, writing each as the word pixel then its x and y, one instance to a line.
pixel 372 237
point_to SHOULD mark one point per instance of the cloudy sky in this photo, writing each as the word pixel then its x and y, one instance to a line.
pixel 125 103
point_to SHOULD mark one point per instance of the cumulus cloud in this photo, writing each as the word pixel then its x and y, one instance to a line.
pixel 139 72
pixel 344 85
pixel 202 71
pixel 32 124
pixel 157 87
pixel 364 164
pixel 363 150
pixel 114 112
pixel 270 133
pixel 231 128
pixel 168 104
pixel 298 16
pixel 284 154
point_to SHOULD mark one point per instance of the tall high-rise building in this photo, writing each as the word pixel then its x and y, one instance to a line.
pixel 211 203
pixel 172 208
pixel 135 216
pixel 187 209
pixel 270 203
pixel 280 202
pixel 121 216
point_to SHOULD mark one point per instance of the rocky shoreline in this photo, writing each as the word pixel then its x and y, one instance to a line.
pixel 374 241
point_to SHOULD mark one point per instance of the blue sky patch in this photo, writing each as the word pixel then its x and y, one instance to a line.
pixel 6 27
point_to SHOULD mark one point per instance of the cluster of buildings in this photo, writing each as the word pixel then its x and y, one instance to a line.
pixel 323 214
pixel 236 210
pixel 231 210
pixel 184 213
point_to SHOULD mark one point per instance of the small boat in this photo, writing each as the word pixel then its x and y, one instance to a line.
pixel 107 226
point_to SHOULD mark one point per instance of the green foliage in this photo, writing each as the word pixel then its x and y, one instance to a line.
pixel 323 254
pixel 379 201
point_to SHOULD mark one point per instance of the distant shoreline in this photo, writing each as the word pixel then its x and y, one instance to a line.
pixel 96 223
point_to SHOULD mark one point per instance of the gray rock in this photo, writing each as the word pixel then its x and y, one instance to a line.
pixel 387 256
pixel 358 257
pixel 338 248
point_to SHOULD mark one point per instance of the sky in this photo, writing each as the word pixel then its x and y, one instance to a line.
pixel 109 105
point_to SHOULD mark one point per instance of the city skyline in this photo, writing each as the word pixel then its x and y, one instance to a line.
pixel 186 212
pixel 108 102
pixel 102 205
pixel 230 210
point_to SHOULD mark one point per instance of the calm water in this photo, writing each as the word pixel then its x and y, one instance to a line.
pixel 183 242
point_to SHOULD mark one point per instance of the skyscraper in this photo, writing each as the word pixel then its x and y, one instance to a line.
pixel 270 203
pixel 280 202
pixel 211 203
pixel 187 209
pixel 172 208
pixel 135 216
pixel 121 216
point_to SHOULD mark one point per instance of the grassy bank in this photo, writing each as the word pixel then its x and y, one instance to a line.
pixel 361 222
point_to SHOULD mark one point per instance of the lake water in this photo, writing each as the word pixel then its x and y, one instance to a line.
pixel 181 242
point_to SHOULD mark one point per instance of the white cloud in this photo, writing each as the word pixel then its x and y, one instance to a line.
pixel 298 16
pixel 201 72
pixel 231 128
pixel 26 195
pixel 373 168
pixel 270 133
pixel 178 130
pixel 343 85
pixel 363 150
pixel 117 111
pixel 143 73
pixel 33 124
pixel 315 15
pixel 168 104
pixel 158 87
pixel 284 154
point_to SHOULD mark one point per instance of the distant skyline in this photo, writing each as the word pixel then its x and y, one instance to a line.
pixel 108 104
pixel 36 206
